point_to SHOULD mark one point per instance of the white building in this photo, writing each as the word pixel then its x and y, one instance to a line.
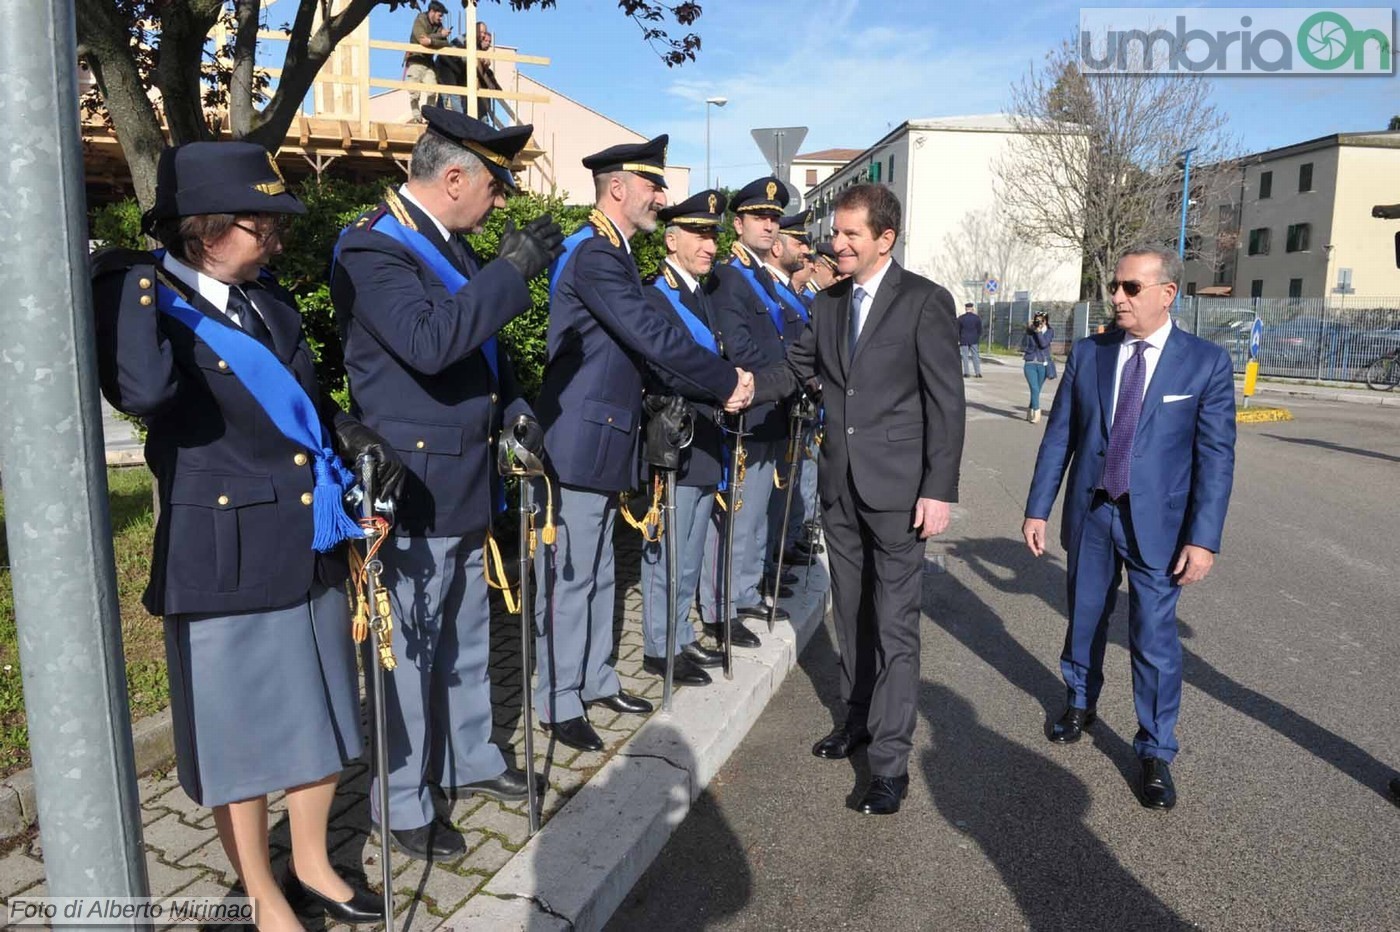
pixel 955 230
pixel 809 169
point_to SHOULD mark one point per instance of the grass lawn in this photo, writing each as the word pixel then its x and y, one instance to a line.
pixel 133 526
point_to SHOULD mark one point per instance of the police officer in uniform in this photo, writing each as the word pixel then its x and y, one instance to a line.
pixel 419 315
pixel 602 336
pixel 677 293
pixel 757 326
pixel 248 455
pixel 824 270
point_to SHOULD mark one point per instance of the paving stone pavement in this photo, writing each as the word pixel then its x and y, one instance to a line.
pixel 184 855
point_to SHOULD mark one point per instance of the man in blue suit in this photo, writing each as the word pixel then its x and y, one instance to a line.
pixel 418 316
pixel 603 336
pixel 1144 421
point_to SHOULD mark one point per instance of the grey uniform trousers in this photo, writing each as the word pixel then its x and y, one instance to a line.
pixel 750 535
pixel 693 506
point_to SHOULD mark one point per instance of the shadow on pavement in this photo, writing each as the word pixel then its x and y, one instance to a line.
pixel 1335 447
pixel 1060 873
pixel 701 878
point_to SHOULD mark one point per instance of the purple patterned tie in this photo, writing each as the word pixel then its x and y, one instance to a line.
pixel 1118 465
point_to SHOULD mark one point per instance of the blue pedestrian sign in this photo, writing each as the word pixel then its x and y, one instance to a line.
pixel 1256 334
pixel 991 286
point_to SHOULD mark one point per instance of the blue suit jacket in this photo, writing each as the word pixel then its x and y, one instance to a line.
pixel 417 371
pixel 701 464
pixel 602 335
pixel 1183 453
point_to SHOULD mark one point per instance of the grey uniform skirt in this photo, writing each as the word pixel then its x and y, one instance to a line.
pixel 262 701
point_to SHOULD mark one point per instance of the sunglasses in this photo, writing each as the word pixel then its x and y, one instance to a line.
pixel 1131 288
pixel 265 234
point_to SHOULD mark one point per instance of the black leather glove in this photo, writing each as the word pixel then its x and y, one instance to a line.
pixel 529 434
pixel 532 249
pixel 670 429
pixel 812 388
pixel 354 440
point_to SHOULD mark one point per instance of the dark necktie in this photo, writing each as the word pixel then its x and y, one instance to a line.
pixel 459 251
pixel 1118 464
pixel 248 317
pixel 857 302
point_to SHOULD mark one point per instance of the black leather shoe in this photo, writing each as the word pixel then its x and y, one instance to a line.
pixel 743 637
pixel 624 702
pixel 576 733
pixel 508 787
pixel 884 794
pixel 841 743
pixel 1070 727
pixel 362 906
pixel 759 613
pixel 789 577
pixel 702 656
pixel 685 671
pixel 766 588
pixel 1158 790
pixel 436 841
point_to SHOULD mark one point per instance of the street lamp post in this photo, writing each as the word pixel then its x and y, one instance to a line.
pixel 718 102
pixel 1185 206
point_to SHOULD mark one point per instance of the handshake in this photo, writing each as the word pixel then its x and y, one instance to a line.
pixel 743 393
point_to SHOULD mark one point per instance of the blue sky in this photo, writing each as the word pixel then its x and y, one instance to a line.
pixel 850 70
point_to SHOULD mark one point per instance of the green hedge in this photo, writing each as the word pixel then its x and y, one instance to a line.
pixel 331 204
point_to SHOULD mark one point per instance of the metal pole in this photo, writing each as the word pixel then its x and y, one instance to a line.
pixel 51 455
pixel 527 615
pixel 1185 204
pixel 707 144
pixel 672 587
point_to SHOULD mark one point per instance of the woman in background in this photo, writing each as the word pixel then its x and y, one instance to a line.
pixel 1035 350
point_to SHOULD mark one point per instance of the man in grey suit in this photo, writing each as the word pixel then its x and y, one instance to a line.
pixel 883 344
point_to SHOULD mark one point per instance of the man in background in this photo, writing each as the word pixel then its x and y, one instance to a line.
pixel 969 335
pixel 430 33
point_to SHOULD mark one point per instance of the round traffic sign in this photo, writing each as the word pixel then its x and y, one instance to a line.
pixel 991 286
pixel 1256 334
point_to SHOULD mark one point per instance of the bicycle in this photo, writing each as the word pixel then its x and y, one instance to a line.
pixel 1383 374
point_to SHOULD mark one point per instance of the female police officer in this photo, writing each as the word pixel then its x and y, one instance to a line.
pixel 203 346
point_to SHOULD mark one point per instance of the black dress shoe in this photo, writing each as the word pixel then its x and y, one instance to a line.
pixel 760 613
pixel 789 577
pixel 884 794
pixel 576 733
pixel 685 671
pixel 507 787
pixel 702 656
pixel 435 841
pixel 766 588
pixel 1070 727
pixel 1158 790
pixel 743 637
pixel 842 742
pixel 624 702
pixel 362 906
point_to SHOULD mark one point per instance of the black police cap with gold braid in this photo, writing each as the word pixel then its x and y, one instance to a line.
pixel 766 195
pixel 647 159
pixel 498 148
pixel 218 178
pixel 703 210
pixel 827 253
pixel 796 227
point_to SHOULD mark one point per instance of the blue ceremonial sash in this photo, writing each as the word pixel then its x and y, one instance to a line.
pixel 775 312
pixel 432 257
pixel 281 396
pixel 570 244
pixel 702 334
pixel 793 301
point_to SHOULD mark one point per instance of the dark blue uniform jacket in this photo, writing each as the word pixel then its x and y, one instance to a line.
pixel 418 374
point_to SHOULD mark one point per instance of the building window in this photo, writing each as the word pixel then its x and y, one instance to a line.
pixel 891 177
pixel 1305 177
pixel 1298 236
pixel 811 177
pixel 1259 241
pixel 1295 287
pixel 1266 185
pixel 1225 271
pixel 1256 288
pixel 874 171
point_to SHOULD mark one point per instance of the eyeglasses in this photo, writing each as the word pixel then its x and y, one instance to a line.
pixel 1131 288
pixel 265 236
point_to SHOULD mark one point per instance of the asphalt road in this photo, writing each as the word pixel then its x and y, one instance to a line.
pixel 1288 729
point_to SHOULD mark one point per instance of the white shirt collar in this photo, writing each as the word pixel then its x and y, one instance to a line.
pixel 210 289
pixel 408 196
pixel 1155 340
pixel 873 285
pixel 685 276
pixel 778 274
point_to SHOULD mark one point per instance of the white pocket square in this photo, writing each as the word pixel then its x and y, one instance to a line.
pixel 1168 399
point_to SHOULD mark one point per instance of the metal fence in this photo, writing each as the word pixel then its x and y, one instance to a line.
pixel 1332 339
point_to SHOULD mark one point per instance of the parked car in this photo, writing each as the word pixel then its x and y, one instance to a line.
pixel 1228 327
pixel 1366 345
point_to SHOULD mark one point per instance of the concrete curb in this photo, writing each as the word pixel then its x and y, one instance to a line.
pixel 575 873
pixel 1358 396
pixel 153 743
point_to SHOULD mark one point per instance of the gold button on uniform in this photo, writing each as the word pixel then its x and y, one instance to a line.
pixel 145 300
pixel 144 283
pixel 223 499
pixel 420 444
pixel 299 459
pixel 222 364
pixel 307 498
pixel 494 399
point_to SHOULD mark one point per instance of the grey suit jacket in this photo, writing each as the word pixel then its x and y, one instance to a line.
pixel 894 410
